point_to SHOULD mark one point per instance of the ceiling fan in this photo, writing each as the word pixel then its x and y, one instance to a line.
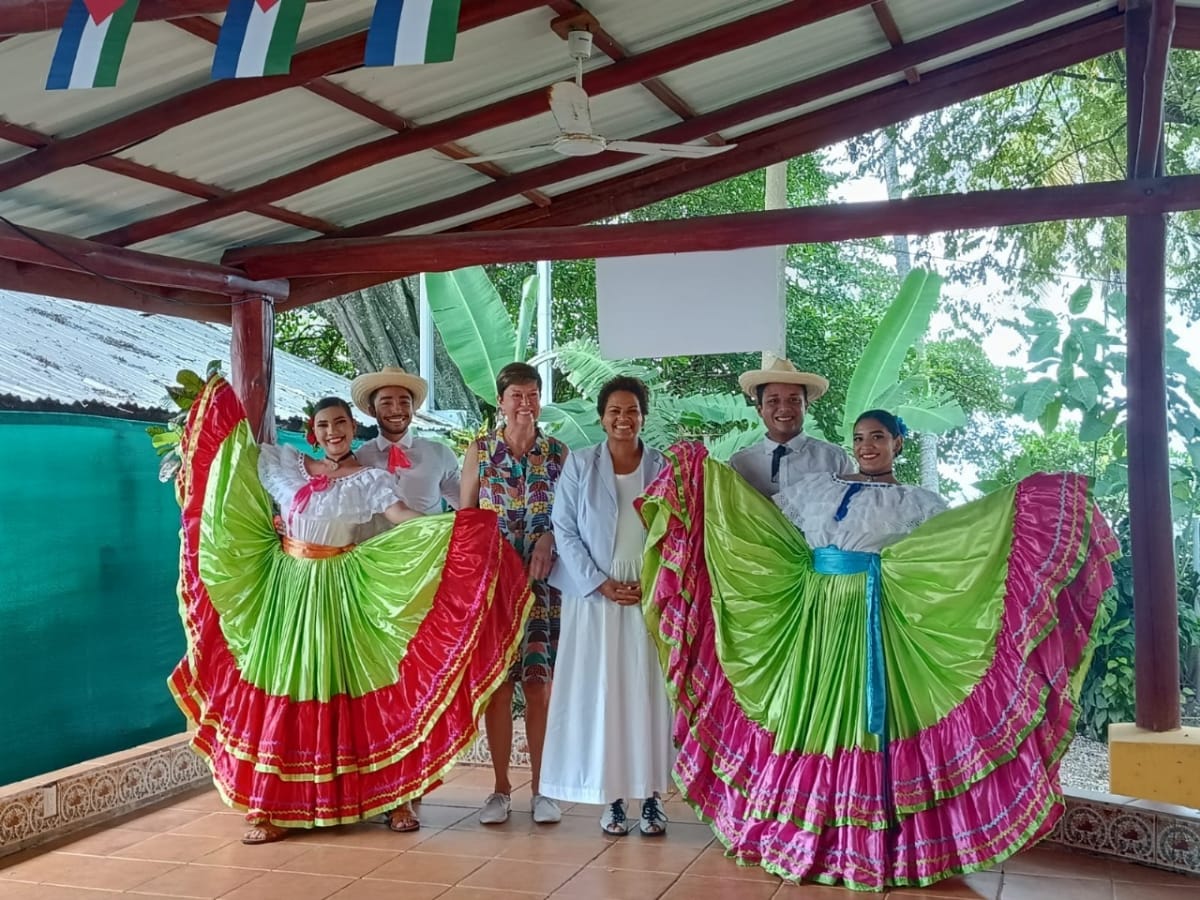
pixel 569 106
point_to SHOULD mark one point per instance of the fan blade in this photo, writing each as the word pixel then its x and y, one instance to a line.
pixel 504 154
pixel 569 104
pixel 691 151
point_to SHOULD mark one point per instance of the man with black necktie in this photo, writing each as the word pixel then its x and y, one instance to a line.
pixel 782 394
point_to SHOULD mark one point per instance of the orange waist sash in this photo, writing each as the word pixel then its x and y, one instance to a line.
pixel 304 550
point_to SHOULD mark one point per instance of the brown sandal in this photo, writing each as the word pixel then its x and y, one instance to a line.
pixel 264 833
pixel 402 819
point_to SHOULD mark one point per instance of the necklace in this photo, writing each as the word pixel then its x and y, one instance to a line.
pixel 334 463
pixel 871 476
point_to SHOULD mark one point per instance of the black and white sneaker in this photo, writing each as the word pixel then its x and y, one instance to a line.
pixel 615 821
pixel 654 817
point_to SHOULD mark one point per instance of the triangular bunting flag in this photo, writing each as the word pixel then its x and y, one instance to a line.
pixel 91 44
pixel 406 32
pixel 257 37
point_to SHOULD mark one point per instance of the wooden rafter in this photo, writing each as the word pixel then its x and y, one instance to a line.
pixel 336 56
pixel 1187 28
pixel 789 97
pixel 807 225
pixel 357 104
pixel 1030 58
pixel 55 251
pixel 1150 125
pixel 887 24
pixel 627 72
pixel 51 282
pixel 28 137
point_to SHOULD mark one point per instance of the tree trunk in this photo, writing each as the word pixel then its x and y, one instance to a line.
pixel 891 172
pixel 381 328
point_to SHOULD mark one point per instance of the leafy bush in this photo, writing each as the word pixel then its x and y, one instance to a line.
pixel 1108 688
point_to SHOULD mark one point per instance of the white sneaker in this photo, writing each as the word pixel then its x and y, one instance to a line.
pixel 545 810
pixel 495 809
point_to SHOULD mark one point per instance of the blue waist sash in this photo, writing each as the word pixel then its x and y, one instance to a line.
pixel 832 561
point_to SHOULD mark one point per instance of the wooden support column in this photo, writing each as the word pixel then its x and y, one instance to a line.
pixel 252 353
pixel 1156 618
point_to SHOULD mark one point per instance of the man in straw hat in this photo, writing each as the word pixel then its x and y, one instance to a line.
pixel 782 395
pixel 428 471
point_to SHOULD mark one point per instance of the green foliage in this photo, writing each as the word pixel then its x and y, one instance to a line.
pixel 165 439
pixel 1108 689
pixel 1066 127
pixel 310 335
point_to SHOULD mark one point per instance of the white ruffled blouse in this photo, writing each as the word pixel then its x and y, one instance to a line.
pixel 323 510
pixel 876 515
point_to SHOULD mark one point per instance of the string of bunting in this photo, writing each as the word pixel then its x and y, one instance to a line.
pixel 258 37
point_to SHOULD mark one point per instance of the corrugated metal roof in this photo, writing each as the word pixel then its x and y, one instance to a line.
pixel 68 351
pixel 247 144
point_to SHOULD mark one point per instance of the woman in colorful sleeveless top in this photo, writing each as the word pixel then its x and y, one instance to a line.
pixel 513 470
pixel 868 690
pixel 329 677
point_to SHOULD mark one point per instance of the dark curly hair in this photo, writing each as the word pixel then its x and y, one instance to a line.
pixel 635 386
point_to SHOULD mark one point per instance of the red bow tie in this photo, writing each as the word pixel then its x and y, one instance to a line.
pixel 397 459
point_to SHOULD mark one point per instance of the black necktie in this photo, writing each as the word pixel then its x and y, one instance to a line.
pixel 779 453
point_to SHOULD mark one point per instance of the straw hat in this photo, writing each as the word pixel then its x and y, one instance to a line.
pixel 362 387
pixel 780 371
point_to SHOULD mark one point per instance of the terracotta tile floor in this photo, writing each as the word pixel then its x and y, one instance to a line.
pixel 189 847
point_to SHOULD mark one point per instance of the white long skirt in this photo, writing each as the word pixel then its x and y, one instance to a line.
pixel 608 735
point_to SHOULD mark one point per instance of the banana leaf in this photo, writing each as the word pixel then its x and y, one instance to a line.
pixel 475 327
pixel 587 371
pixel 933 420
pixel 529 295
pixel 905 322
pixel 573 422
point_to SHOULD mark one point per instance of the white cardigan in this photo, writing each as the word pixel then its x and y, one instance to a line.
pixel 585 518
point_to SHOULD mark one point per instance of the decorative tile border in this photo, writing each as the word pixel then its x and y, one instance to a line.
pixel 1153 834
pixel 58 803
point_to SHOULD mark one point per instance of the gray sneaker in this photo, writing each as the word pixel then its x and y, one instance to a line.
pixel 495 809
pixel 545 810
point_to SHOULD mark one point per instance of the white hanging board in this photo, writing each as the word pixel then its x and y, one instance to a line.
pixel 676 304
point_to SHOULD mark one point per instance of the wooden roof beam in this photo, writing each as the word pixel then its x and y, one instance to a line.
pixel 1187 28
pixel 44 248
pixel 887 24
pixel 1150 124
pixel 807 225
pixel 27 16
pixel 34 279
pixel 336 56
pixel 632 70
pixel 846 78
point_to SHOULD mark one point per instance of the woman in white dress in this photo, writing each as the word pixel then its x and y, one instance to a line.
pixel 608 738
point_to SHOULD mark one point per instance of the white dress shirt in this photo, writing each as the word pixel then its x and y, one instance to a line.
pixel 433 475
pixel 805 455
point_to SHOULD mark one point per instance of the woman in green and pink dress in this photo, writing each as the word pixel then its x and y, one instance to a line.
pixel 870 690
pixel 330 678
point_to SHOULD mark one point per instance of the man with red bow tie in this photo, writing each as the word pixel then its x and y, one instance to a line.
pixel 427 471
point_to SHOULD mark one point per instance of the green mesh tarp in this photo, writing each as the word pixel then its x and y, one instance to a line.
pixel 89 621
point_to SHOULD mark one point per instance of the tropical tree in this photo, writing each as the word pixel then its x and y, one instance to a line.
pixel 1063 128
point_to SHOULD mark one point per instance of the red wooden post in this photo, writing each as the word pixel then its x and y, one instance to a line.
pixel 251 360
pixel 1156 616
